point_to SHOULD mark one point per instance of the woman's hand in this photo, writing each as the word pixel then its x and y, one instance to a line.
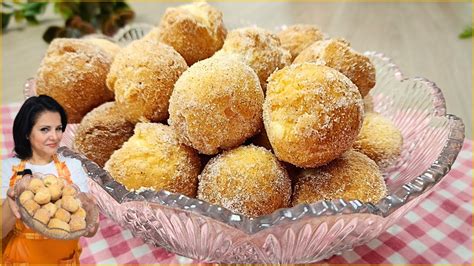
pixel 90 205
pixel 11 199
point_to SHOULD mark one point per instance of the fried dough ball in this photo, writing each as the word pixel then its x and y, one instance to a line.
pixel 143 75
pixel 42 196
pixel 77 224
pixel 379 139
pixel 368 103
pixel 55 191
pixel 58 224
pixel 101 132
pixel 70 203
pixel 62 214
pixel 80 213
pixel 42 215
pixel 51 208
pixel 58 203
pixel 109 47
pixel 338 54
pixel 247 180
pixel 257 47
pixel 26 195
pixel 35 184
pixel 31 206
pixel 73 72
pixel 216 104
pixel 69 190
pixel 153 158
pixel 195 30
pixel 353 176
pixel 312 114
pixel 49 180
pixel 296 38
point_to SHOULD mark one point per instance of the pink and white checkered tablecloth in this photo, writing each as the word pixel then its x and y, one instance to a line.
pixel 438 231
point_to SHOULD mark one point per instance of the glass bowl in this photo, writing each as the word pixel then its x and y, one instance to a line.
pixel 308 232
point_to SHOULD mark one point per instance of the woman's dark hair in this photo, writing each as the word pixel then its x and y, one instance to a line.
pixel 26 119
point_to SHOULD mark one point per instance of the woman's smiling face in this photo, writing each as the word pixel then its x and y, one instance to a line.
pixel 46 134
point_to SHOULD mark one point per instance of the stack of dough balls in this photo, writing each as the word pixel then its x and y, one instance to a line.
pixel 73 72
pixel 338 54
pixel 257 47
pixel 195 30
pixel 142 76
pixel 101 132
pixel 54 204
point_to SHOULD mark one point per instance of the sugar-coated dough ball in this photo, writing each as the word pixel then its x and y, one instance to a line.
pixel 143 75
pixel 63 215
pixel 50 180
pixel 77 224
pixel 35 184
pixel 42 196
pixel 216 105
pixel 69 190
pixel 51 208
pixel 70 203
pixel 353 176
pixel 73 72
pixel 42 215
pixel 312 114
pixel 153 158
pixel 31 206
pixel 26 195
pixel 195 30
pixel 296 38
pixel 101 132
pixel 379 139
pixel 248 180
pixel 55 191
pixel 58 224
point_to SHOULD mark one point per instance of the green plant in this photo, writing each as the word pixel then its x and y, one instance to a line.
pixel 81 17
pixel 466 33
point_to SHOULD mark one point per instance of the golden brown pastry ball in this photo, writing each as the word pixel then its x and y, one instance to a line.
pixel 77 224
pixel 26 195
pixel 143 75
pixel 101 132
pixel 108 46
pixel 58 203
pixel 195 30
pixel 69 190
pixel 58 224
pixel 42 215
pixel 248 180
pixel 49 180
pixel 216 104
pixel 296 38
pixel 70 203
pixel 35 184
pixel 257 47
pixel 51 208
pixel 31 206
pixel 368 103
pixel 379 139
pixel 338 54
pixel 73 72
pixel 353 176
pixel 62 215
pixel 55 191
pixel 80 213
pixel 312 114
pixel 153 158
pixel 42 196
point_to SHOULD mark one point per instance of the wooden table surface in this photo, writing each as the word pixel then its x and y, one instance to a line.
pixel 420 37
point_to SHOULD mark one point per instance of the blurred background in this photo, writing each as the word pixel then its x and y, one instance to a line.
pixel 422 38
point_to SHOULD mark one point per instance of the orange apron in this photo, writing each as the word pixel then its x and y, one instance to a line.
pixel 25 246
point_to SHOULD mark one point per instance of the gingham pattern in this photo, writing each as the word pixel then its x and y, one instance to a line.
pixel 438 231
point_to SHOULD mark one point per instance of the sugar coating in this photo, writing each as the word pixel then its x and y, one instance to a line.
pixel 312 114
pixel 195 30
pixel 248 180
pixel 296 38
pixel 73 72
pixel 216 105
pixel 154 158
pixel 379 139
pixel 257 47
pixel 109 47
pixel 101 132
pixel 143 75
pixel 338 54
pixel 353 176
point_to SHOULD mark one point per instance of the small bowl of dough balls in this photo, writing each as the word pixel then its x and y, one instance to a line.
pixel 55 208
